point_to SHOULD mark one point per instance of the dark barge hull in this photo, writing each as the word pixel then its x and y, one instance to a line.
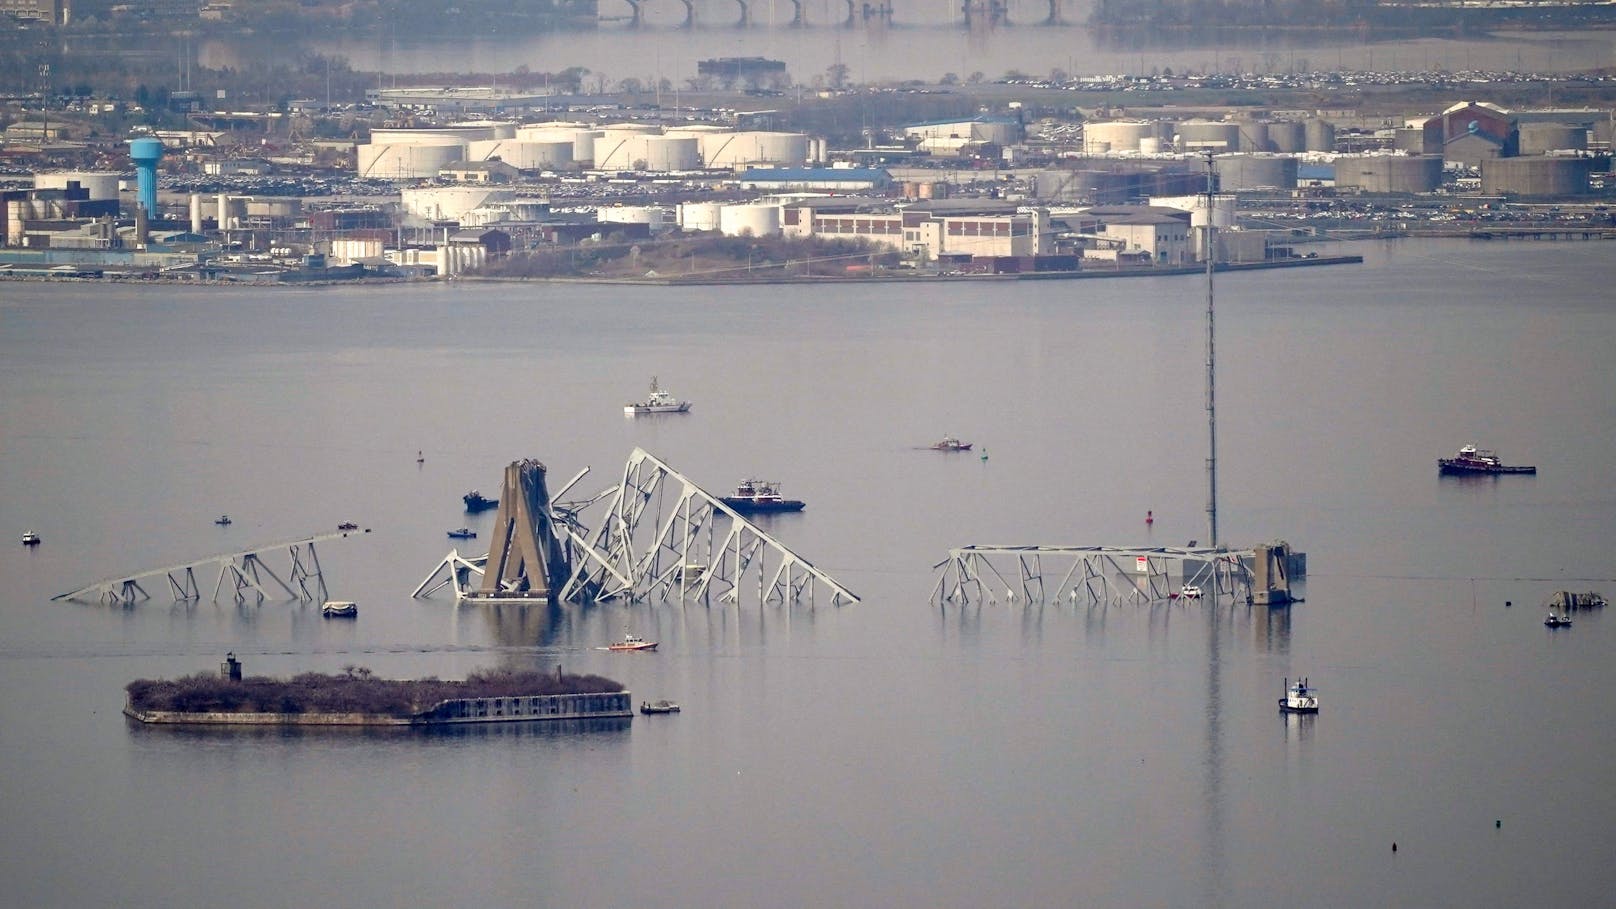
pixel 1457 467
pixel 744 506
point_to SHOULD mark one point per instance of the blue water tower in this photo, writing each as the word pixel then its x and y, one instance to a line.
pixel 145 153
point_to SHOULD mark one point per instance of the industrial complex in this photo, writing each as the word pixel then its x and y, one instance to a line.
pixel 1011 191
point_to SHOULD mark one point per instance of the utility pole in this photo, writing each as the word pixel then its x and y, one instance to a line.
pixel 1211 374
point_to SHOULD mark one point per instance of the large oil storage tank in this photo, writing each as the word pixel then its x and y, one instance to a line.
pixel 497 129
pixel 448 203
pixel 670 153
pixel 523 155
pixel 749 220
pixel 699 215
pixel 431 135
pixel 102 186
pixel 1265 171
pixel 1254 135
pixel 1540 176
pixel 728 150
pixel 1320 135
pixel 581 137
pixel 407 161
pixel 1214 134
pixel 1104 136
pixel 1389 173
pixel 1542 138
pixel 618 149
pixel 650 215
pixel 1287 136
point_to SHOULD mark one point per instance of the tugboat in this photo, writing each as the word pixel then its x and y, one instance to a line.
pixel 1299 698
pixel 222 520
pixel 29 538
pixel 463 533
pixel 630 642
pixel 758 496
pixel 1473 460
pixel 476 501
pixel 658 401
pixel 347 525
pixel 949 443
pixel 658 707
pixel 1556 620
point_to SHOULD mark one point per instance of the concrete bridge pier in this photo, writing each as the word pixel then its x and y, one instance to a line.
pixel 690 14
pixel 746 15
pixel 797 19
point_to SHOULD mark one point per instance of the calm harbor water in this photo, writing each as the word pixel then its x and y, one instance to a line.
pixel 888 753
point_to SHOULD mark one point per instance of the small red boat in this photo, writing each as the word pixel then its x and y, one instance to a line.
pixel 630 642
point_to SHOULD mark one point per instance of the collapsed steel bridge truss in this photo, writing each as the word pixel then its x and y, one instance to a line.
pixel 662 537
pixel 248 574
pixel 1091 575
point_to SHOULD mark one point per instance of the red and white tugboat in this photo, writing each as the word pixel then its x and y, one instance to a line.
pixel 1299 698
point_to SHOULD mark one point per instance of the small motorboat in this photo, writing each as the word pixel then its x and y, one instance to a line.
pixel 657 401
pixel 1299 698
pixel 463 533
pixel 476 501
pixel 222 520
pixel 29 538
pixel 658 707
pixel 949 443
pixel 347 525
pixel 339 609
pixel 757 496
pixel 631 642
pixel 1557 621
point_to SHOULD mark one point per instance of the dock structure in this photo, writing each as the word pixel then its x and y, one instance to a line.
pixel 661 537
pixel 1092 575
pixel 246 570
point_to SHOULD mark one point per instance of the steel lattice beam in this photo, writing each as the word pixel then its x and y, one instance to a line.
pixel 1092 574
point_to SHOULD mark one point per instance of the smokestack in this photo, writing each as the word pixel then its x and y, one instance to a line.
pixel 196 213
pixel 224 212
pixel 142 227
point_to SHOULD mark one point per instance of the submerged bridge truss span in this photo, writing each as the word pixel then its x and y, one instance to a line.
pixel 246 570
pixel 1092 575
pixel 661 537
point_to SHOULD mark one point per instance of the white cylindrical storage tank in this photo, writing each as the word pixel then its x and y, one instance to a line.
pixel 1287 136
pixel 497 129
pixel 644 129
pixel 617 149
pixel 1264 171
pixel 1116 135
pixel 671 153
pixel 521 155
pixel 1198 134
pixel 728 150
pixel 222 216
pixel 431 135
pixel 407 162
pixel 650 215
pixel 196 213
pixel 1149 145
pixel 699 215
pixel 102 186
pixel 749 220
pixel 581 138
pixel 1542 138
pixel 1320 135
pixel 1223 210
pixel 447 203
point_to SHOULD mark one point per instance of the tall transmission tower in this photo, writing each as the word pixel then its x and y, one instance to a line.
pixel 1210 252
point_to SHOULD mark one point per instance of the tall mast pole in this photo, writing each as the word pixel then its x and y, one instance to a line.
pixel 1211 373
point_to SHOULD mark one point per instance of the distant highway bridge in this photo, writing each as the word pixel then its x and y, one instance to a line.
pixel 971 13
